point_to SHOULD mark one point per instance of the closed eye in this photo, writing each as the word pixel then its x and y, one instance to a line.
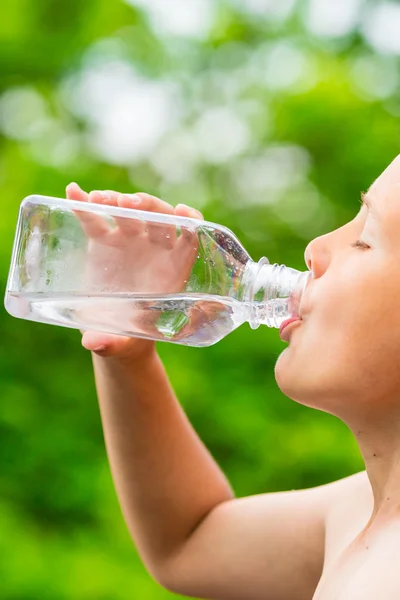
pixel 360 244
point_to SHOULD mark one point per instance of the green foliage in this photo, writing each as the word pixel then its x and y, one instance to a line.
pixel 305 147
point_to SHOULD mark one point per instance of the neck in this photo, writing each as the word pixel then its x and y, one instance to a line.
pixel 378 438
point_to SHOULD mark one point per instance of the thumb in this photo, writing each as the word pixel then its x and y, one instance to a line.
pixel 104 344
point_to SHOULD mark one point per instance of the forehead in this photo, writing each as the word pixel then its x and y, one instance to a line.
pixel 387 181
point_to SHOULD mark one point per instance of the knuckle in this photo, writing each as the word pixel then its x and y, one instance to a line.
pixel 155 204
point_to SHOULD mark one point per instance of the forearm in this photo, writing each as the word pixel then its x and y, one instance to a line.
pixel 165 478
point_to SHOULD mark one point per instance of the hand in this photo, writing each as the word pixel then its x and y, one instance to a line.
pixel 162 261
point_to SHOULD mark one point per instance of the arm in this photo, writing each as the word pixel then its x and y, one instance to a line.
pixel 267 547
pixel 192 535
pixel 165 478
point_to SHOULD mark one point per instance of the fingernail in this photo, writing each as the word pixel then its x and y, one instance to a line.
pixel 189 208
pixel 193 211
pixel 103 193
pixel 134 197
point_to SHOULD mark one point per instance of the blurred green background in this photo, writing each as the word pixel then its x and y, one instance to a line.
pixel 270 117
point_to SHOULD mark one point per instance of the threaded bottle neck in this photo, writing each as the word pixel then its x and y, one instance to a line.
pixel 274 293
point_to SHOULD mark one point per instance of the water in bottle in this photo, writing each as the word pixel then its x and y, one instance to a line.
pixel 141 274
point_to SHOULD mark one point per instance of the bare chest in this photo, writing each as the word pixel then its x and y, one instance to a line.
pixel 360 563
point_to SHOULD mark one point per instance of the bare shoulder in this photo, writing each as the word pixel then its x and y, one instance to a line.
pixel 266 546
pixel 357 482
pixel 357 479
pixel 361 563
pixel 338 496
pixel 341 492
pixel 352 491
pixel 348 511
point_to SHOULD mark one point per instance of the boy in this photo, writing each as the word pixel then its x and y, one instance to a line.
pixel 337 541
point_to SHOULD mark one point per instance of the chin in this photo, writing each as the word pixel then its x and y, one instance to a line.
pixel 294 381
pixel 286 375
pixel 306 386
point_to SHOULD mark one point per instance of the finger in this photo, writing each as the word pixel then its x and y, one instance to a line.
pixel 74 192
pixel 182 210
pixel 189 236
pixel 130 226
pixel 158 233
pixel 161 234
pixel 186 248
pixel 154 204
pixel 108 197
pixel 104 344
pixel 92 225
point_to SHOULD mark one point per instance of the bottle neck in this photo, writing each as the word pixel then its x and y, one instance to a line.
pixel 274 292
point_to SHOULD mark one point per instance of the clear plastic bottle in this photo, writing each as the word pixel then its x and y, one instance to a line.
pixel 141 274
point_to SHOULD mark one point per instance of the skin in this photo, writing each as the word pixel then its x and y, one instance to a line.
pixel 349 308
pixel 333 542
pixel 173 258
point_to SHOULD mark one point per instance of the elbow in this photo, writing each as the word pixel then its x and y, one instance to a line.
pixel 166 579
pixel 163 573
pixel 169 575
pixel 171 585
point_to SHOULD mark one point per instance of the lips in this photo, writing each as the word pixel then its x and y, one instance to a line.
pixel 285 324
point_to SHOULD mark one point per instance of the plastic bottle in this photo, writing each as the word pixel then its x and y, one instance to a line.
pixel 141 274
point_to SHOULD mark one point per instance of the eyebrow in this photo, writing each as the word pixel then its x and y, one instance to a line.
pixel 365 199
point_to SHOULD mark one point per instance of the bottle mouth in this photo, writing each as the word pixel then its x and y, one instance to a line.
pixel 276 294
pixel 295 297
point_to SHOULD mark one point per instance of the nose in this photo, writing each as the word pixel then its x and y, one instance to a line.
pixel 307 257
pixel 316 255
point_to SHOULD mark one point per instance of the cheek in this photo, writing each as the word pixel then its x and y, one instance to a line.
pixel 345 346
pixel 341 366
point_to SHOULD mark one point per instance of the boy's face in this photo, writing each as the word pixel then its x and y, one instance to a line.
pixel 344 356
